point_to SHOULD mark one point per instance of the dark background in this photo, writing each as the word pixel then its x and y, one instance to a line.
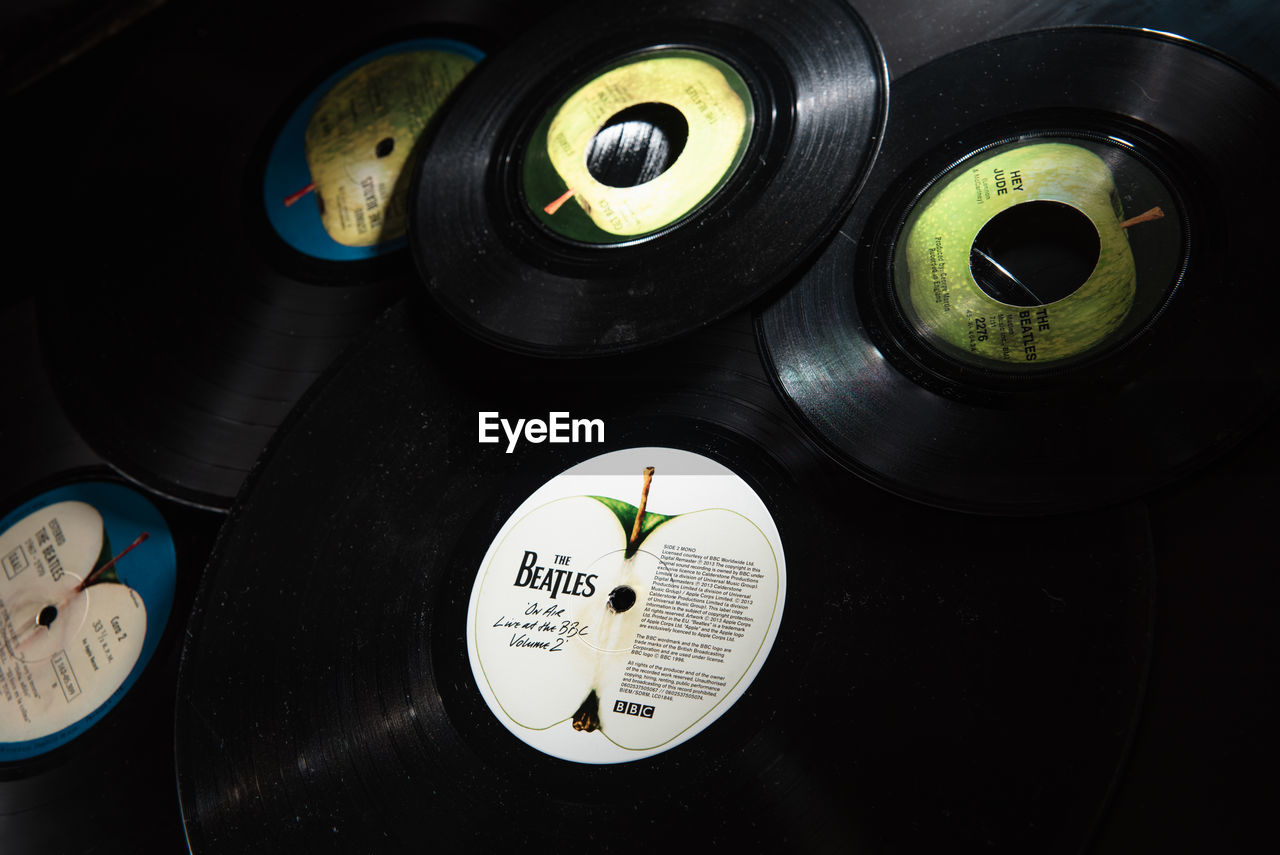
pixel 78 75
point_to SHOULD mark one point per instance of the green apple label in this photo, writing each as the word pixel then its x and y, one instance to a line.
pixel 934 276
pixel 601 631
pixel 63 650
pixel 361 135
pixel 716 108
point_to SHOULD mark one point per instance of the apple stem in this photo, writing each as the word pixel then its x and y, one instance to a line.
pixel 1145 217
pixel 293 197
pixel 644 500
pixel 102 569
pixel 555 206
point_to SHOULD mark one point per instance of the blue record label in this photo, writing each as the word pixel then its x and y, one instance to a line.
pixel 336 179
pixel 69 654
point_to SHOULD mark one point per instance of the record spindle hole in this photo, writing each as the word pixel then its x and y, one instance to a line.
pixel 1034 253
pixel 622 598
pixel 385 146
pixel 637 144
pixel 47 616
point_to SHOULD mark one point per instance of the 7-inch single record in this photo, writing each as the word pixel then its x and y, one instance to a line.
pixel 1053 293
pixel 627 173
pixel 658 619
pixel 180 341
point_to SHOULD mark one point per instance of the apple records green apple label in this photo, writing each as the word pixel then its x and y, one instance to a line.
pixel 68 654
pixel 974 263
pixel 336 178
pixel 711 118
pixel 626 605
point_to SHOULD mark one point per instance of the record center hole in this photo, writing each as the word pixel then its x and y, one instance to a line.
pixel 637 145
pixel 384 147
pixel 621 598
pixel 1034 253
pixel 46 616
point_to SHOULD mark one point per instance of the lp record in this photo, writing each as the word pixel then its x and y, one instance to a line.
pixel 89 575
pixel 626 173
pixel 178 364
pixel 1049 295
pixel 689 631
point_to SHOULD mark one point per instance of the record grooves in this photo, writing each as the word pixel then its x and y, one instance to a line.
pixel 1129 385
pixel 104 782
pixel 177 363
pixel 875 565
pixel 522 242
pixel 904 681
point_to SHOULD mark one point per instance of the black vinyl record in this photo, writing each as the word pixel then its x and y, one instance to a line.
pixel 929 678
pixel 281 146
pixel 918 32
pixel 86 749
pixel 36 441
pixel 919 354
pixel 84 768
pixel 625 174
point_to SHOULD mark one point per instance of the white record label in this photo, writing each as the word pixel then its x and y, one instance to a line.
pixel 595 647
pixel 63 652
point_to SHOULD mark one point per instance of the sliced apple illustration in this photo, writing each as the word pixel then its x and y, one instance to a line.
pixel 595 620
pixel 717 119
pixel 936 283
pixel 64 648
pixel 361 134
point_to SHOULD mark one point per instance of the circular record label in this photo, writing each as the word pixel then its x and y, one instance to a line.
pixel 67 656
pixel 599 639
pixel 983 257
pixel 337 174
pixel 710 116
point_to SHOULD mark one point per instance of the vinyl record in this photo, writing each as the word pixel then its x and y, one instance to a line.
pixel 1048 297
pixel 625 174
pixel 87 675
pixel 36 440
pixel 920 31
pixel 182 340
pixel 405 632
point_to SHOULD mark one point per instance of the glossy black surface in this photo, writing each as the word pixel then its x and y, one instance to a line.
pixel 1199 771
pixel 817 81
pixel 939 680
pixel 950 433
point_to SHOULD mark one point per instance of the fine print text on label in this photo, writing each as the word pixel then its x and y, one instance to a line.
pixel 559 427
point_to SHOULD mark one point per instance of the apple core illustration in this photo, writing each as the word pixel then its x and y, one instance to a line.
pixel 602 630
